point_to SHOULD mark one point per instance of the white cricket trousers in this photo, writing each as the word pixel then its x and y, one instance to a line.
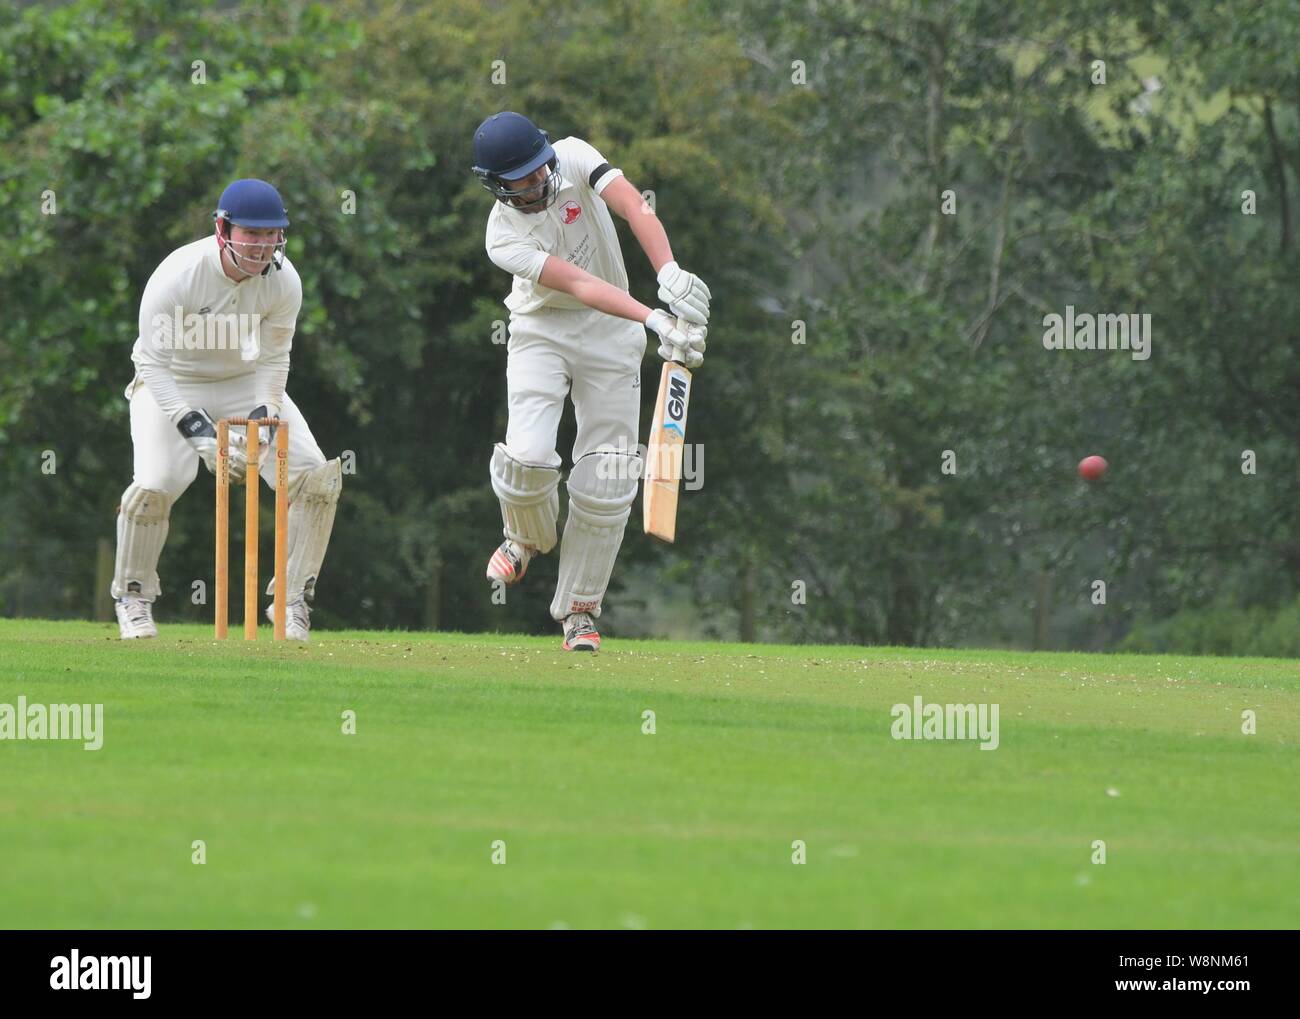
pixel 165 462
pixel 594 358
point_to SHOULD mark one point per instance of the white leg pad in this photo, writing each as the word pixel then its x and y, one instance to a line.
pixel 313 498
pixel 530 499
pixel 602 486
pixel 142 522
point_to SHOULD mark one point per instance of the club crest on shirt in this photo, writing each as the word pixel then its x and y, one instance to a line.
pixel 569 212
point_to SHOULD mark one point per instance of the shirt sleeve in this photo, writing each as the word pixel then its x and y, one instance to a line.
pixel 582 161
pixel 519 256
pixel 153 354
pixel 276 334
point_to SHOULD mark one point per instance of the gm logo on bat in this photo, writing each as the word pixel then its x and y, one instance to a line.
pixel 675 406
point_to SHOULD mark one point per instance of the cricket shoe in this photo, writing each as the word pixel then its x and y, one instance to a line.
pixel 509 563
pixel 580 633
pixel 135 617
pixel 297 619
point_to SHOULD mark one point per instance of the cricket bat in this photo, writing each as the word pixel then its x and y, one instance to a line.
pixel 663 468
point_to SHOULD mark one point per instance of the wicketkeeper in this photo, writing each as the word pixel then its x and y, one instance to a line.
pixel 216 326
pixel 574 330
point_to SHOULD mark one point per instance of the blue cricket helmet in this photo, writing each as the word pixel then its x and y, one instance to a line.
pixel 507 147
pixel 255 205
pixel 252 203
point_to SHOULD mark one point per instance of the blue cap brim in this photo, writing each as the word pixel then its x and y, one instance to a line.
pixel 543 157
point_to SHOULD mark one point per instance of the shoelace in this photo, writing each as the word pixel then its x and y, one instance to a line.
pixel 136 613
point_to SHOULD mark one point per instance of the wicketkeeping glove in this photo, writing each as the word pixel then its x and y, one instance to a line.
pixel 685 294
pixel 679 339
pixel 239 443
pixel 200 432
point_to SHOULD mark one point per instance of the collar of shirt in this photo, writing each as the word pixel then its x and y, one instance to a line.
pixel 213 258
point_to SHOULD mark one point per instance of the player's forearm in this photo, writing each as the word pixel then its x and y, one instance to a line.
pixel 160 317
pixel 163 388
pixel 592 291
pixel 652 237
pixel 596 293
pixel 272 371
pixel 268 386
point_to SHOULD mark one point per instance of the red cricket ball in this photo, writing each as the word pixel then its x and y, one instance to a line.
pixel 1092 467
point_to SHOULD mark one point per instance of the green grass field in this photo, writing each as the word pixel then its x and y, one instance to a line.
pixel 463 740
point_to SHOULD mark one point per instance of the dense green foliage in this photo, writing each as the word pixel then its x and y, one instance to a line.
pixel 859 331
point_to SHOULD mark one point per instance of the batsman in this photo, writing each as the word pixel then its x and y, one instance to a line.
pixel 574 331
pixel 216 326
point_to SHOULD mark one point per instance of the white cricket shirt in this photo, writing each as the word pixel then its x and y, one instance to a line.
pixel 577 228
pixel 199 325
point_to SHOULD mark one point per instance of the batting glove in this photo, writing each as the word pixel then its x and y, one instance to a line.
pixel 680 340
pixel 685 294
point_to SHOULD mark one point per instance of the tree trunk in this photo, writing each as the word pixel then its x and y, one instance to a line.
pixel 103 597
pixel 748 581
pixel 904 616
pixel 1043 590
pixel 433 593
